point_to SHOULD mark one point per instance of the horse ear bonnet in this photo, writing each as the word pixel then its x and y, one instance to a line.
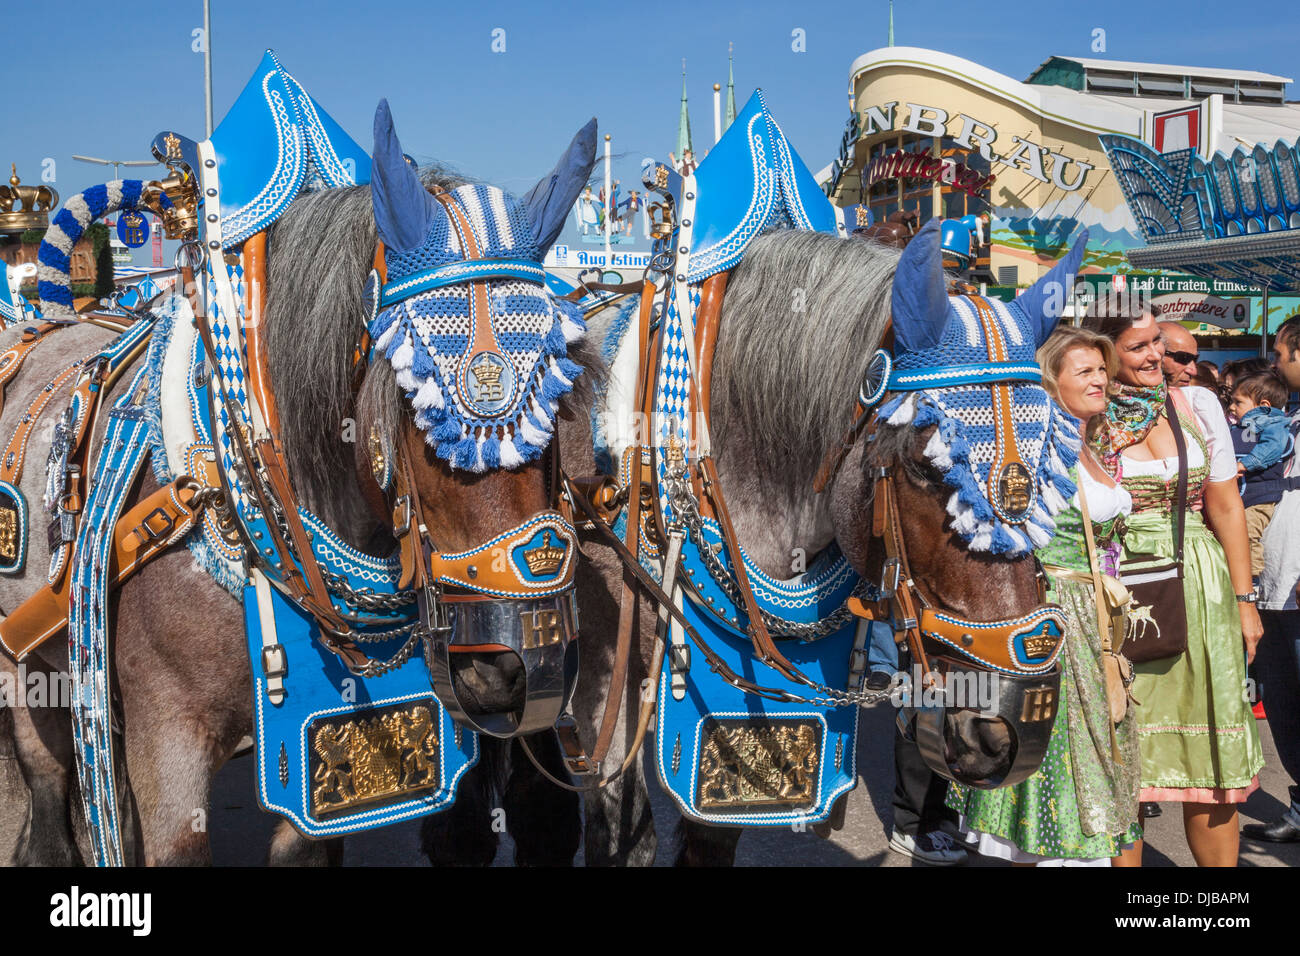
pixel 920 296
pixel 477 340
pixel 403 207
pixel 1042 303
pixel 549 202
pixel 936 333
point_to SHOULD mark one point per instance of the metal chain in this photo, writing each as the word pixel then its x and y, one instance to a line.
pixel 686 510
pixel 364 598
pixel 380 668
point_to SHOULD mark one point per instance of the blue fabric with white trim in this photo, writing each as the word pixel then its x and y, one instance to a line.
pixel 454 273
pixel 276 141
pixel 318 686
pixel 89 655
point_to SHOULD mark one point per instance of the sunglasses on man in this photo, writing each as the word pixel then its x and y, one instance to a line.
pixel 1184 358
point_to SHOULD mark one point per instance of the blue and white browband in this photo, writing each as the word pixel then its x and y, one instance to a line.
pixel 454 273
pixel 916 379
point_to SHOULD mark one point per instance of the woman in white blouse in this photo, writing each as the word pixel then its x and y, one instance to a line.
pixel 1197 737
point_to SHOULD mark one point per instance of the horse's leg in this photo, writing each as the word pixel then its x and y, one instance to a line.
pixel 701 845
pixel 291 848
pixel 619 826
pixel 465 834
pixel 184 681
pixel 43 746
pixel 543 820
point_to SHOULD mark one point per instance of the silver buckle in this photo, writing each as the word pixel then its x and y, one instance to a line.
pixel 889 575
pixel 274 662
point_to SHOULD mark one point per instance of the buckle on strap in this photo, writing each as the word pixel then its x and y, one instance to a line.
pixel 149 534
pixel 402 526
pixel 274 662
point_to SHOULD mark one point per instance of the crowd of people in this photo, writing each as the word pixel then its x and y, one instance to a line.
pixel 1188 491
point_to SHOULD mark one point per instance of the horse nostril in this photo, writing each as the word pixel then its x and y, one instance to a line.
pixel 489 682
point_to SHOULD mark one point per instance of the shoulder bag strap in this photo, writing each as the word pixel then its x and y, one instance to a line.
pixel 1180 512
pixel 1103 615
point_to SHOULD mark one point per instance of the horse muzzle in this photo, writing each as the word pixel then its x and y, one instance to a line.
pixel 514 595
pixel 987 719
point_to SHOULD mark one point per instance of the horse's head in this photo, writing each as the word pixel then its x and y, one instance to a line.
pixel 966 462
pixel 465 328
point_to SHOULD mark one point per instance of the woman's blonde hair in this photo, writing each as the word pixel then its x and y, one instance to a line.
pixel 1052 353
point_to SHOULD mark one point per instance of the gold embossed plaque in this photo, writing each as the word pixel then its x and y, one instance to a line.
pixel 8 532
pixel 758 764
pixel 1014 489
pixel 385 756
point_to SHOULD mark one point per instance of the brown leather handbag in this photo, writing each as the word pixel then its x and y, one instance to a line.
pixel 1157 623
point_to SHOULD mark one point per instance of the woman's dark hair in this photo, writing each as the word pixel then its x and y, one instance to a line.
pixel 1116 323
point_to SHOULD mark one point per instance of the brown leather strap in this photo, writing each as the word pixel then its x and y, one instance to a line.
pixel 15 454
pixel 621 288
pixel 633 564
pixel 708 320
pixel 141 534
pixel 12 360
pixel 255 332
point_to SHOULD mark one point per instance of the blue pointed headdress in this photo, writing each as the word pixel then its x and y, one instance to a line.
pixel 967 366
pixel 476 338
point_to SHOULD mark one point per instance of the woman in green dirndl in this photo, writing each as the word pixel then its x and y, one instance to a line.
pixel 1197 737
pixel 1080 807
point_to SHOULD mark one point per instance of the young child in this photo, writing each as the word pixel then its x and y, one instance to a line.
pixel 1263 445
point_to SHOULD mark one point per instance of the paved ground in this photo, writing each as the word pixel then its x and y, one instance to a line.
pixel 241 832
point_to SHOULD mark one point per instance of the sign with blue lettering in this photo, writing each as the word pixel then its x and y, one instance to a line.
pixel 133 229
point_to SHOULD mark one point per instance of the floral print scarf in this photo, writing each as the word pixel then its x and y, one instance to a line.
pixel 1130 415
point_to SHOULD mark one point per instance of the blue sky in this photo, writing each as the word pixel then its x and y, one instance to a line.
pixel 505 117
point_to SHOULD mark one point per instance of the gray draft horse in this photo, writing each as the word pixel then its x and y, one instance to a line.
pixel 180 663
pixel 783 388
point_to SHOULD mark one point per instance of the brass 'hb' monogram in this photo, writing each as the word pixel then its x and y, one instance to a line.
pixel 487 379
pixel 541 628
pixel 1040 704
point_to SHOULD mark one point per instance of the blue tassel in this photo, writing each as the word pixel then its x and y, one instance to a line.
pixel 554 343
pixel 552 388
pixel 465 454
pixel 422 365
pixel 492 452
pixel 526 451
pixel 1002 542
pixel 447 430
pixel 570 368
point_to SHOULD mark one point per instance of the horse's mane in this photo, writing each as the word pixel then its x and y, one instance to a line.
pixel 802 316
pixel 319 254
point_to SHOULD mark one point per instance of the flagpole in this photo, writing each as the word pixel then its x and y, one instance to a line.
pixel 207 61
pixel 717 112
pixel 609 196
